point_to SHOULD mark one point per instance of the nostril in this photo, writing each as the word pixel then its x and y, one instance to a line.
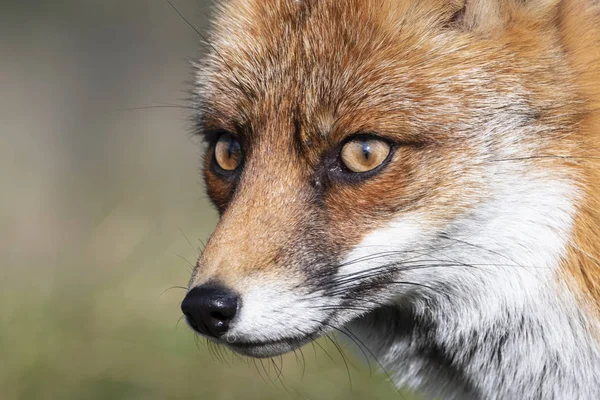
pixel 218 315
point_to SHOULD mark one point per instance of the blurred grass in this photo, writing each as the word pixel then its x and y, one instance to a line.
pixel 101 207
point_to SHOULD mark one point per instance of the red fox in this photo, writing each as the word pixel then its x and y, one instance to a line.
pixel 423 175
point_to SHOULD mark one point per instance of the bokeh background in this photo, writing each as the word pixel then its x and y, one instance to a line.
pixel 102 210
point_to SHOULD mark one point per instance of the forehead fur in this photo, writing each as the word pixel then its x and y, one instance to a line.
pixel 355 63
pixel 316 51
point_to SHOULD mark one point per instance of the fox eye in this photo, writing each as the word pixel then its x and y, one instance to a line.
pixel 228 152
pixel 363 155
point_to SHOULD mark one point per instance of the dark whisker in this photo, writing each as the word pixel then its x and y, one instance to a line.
pixel 361 345
pixel 172 287
pixel 546 156
pixel 178 321
pixel 339 349
pixel 267 374
pixel 240 86
pixel 278 371
pixel 188 240
pixel 155 107
pixel 186 21
pixel 258 370
pixel 190 265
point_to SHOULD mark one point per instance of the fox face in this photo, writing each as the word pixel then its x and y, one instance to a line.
pixel 383 153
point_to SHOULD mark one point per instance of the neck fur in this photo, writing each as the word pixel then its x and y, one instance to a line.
pixel 524 355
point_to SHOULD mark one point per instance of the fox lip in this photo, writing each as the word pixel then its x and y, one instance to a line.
pixel 266 349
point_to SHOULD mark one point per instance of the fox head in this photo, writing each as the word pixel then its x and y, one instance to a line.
pixel 373 153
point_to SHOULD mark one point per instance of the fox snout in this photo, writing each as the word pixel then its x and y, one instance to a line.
pixel 258 280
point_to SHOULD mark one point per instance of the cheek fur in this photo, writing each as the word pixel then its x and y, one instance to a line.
pixel 417 182
pixel 395 240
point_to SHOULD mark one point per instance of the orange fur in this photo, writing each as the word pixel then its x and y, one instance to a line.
pixel 265 75
pixel 491 111
pixel 580 35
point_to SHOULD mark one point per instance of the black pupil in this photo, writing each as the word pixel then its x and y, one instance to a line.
pixel 366 150
pixel 233 148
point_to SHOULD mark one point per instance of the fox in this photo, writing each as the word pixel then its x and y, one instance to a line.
pixel 422 176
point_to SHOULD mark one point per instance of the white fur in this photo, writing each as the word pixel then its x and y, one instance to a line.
pixel 403 234
pixel 508 298
pixel 273 310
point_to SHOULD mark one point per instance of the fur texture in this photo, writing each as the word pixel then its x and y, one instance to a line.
pixel 469 263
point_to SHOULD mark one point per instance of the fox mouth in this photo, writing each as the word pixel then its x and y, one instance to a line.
pixel 261 349
pixel 211 318
pixel 266 349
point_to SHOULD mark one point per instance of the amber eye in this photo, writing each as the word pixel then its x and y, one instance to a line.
pixel 364 155
pixel 228 152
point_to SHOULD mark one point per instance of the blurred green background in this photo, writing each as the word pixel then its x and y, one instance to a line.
pixel 102 209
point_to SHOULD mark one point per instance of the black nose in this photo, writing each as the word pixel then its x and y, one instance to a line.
pixel 210 308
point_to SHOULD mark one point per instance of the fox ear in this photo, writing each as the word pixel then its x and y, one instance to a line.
pixel 485 16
